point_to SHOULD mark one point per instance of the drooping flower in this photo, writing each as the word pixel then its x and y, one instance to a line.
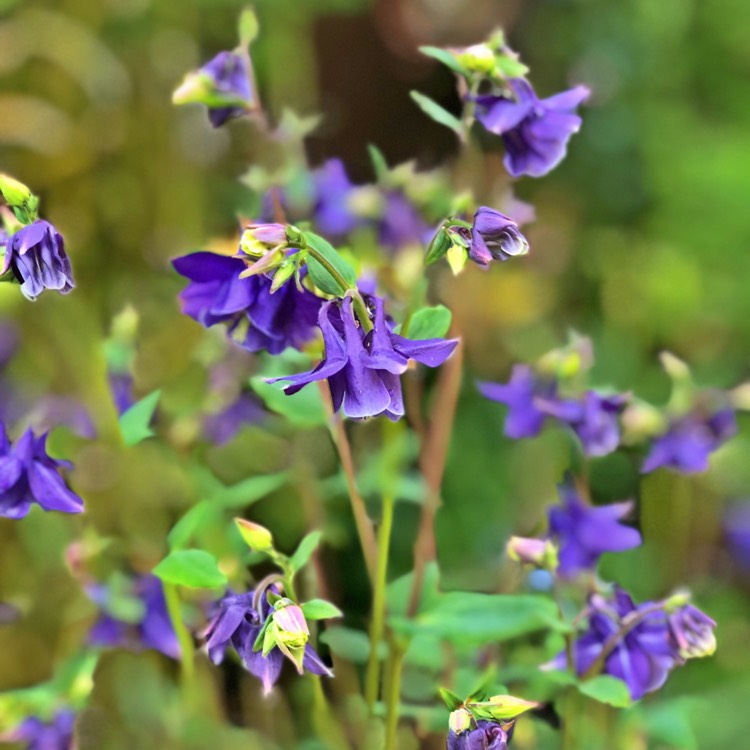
pixel 638 641
pixel 237 623
pixel 692 632
pixel 486 735
pixel 594 418
pixel 217 294
pixel 689 442
pixel 495 236
pixel 535 131
pixel 223 84
pixel 56 734
pixel 524 395
pixel 584 532
pixel 36 256
pixel 151 627
pixel 28 475
pixel 363 369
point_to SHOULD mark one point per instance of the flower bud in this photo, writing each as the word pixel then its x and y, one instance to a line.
pixel 478 58
pixel 14 192
pixel 692 632
pixel 539 552
pixel 257 537
pixel 258 239
pixel 461 721
pixel 288 630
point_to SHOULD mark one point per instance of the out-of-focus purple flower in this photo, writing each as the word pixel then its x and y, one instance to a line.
pixel 217 294
pixel 121 390
pixel 36 256
pixel 584 532
pixel 8 341
pixel 595 419
pixel 642 656
pixel 28 475
pixel 689 441
pixel 56 734
pixel 692 632
pixel 523 395
pixel 56 411
pixel 332 187
pixel 223 84
pixel 495 236
pixel 221 427
pixel 401 224
pixel 488 735
pixel 535 131
pixel 154 630
pixel 737 531
pixel 363 369
pixel 237 623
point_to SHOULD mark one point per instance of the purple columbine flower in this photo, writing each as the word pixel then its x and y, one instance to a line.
pixel 36 256
pixel 495 236
pixel 595 419
pixel 401 224
pixel 332 187
pixel 642 656
pixel 692 633
pixel 363 369
pixel 488 735
pixel 217 294
pixel 524 395
pixel 535 131
pixel 689 442
pixel 153 631
pixel 584 532
pixel 237 623
pixel 221 427
pixel 56 734
pixel 28 475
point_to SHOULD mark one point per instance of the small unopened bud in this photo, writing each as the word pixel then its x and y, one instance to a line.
pixel 461 721
pixel 288 631
pixel 541 553
pixel 478 58
pixel 258 239
pixel 501 707
pixel 256 537
pixel 283 274
pixel 692 632
pixel 14 192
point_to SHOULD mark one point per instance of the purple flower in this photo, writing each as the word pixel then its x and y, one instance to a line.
pixel 237 623
pixel 495 236
pixel 595 419
pixel 535 131
pixel 152 630
pixel 121 390
pixel 221 427
pixel 641 655
pixel 488 735
pixel 363 369
pixel 332 186
pixel 523 395
pixel 737 531
pixel 689 441
pixel 56 734
pixel 692 633
pixel 36 256
pixel 28 475
pixel 584 532
pixel 401 224
pixel 217 294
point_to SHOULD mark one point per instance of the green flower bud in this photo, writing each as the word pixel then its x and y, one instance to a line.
pixel 14 192
pixel 478 58
pixel 256 537
pixel 501 707
pixel 539 552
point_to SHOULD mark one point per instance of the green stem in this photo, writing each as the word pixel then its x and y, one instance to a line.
pixel 393 693
pixel 372 679
pixel 187 647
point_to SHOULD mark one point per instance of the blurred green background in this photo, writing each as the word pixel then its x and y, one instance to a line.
pixel 641 242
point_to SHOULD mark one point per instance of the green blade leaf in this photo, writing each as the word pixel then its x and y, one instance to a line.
pixel 329 273
pixel 304 551
pixel 379 164
pixel 444 56
pixel 250 490
pixel 500 707
pixel 429 323
pixel 437 113
pixel 320 609
pixel 451 700
pixel 186 527
pixel 606 689
pixel 191 567
pixel 134 423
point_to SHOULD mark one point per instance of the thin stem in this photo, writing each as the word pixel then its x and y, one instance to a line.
pixel 372 680
pixel 432 461
pixel 393 694
pixel 361 519
pixel 569 654
pixel 187 647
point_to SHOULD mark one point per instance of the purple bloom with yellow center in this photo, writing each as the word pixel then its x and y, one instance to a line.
pixel 36 256
pixel 28 475
pixel 584 533
pixel 217 294
pixel 535 131
pixel 689 442
pixel 153 628
pixel 237 623
pixel 495 236
pixel 56 734
pixel 524 395
pixel 363 368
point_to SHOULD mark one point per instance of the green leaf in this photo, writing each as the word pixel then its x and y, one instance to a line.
pixel 606 689
pixel 134 423
pixel 329 273
pixel 320 609
pixel 473 619
pixel 250 490
pixel 451 700
pixel 379 164
pixel 303 409
pixel 444 56
pixel 349 644
pixel 248 27
pixel 186 527
pixel 437 113
pixel 429 323
pixel 669 722
pixel 191 567
pixel 304 551
pixel 500 707
pixel 510 67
